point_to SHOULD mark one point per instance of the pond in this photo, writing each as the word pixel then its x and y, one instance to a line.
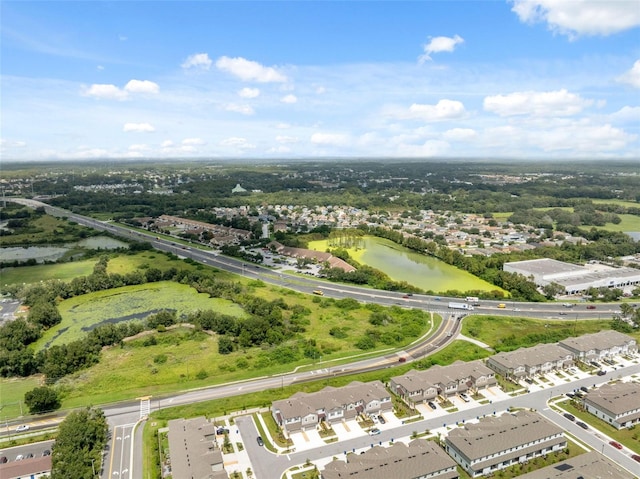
pixel 403 264
pixel 53 253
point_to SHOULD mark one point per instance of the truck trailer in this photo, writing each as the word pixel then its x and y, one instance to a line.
pixel 466 306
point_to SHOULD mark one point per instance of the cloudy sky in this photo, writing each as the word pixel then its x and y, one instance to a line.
pixel 549 79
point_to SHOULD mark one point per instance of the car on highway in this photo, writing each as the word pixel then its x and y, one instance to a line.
pixel 22 428
pixel 374 432
pixel 582 425
pixel 591 306
pixel 502 306
pixel 635 457
pixel 402 360
pixel 615 444
pixel 260 441
pixel 406 296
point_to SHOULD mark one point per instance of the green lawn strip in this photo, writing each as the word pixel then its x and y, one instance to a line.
pixel 628 437
pixel 508 333
pixel 12 395
pixel 44 272
pixel 266 438
pixel 275 432
pixel 30 439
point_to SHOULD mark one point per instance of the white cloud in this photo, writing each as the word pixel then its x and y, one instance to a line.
pixel 283 126
pixel 289 99
pixel 237 142
pixel 243 109
pixel 197 60
pixel 286 139
pixel 4 143
pixel 249 93
pixel 142 86
pixel 248 70
pixel 166 144
pixel 193 141
pixel 460 134
pixel 580 17
pixel 632 77
pixel 105 91
pixel 139 147
pixel 331 139
pixel 429 148
pixel 627 113
pixel 551 103
pixel 440 44
pixel 443 110
pixel 279 150
pixel 138 127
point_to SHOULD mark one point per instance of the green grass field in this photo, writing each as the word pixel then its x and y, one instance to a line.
pixel 498 330
pixel 82 313
pixel 12 395
pixel 61 271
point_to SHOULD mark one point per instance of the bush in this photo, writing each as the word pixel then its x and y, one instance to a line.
pixel 41 399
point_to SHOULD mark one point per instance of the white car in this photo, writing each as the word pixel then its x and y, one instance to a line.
pixel 22 428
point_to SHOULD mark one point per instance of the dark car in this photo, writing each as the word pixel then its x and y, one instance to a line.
pixel 432 405
pixel 582 425
pixel 222 430
pixel 584 388
pixel 635 457
pixel 29 455
pixel 591 306
pixel 615 444
pixel 601 373
pixel 3 459
pixel 260 441
pixel 402 360
pixel 570 395
pixel 46 452
pixel 570 417
pixel 381 419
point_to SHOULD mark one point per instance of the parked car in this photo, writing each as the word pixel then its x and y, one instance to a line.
pixel 222 430
pixel 615 444
pixel 432 405
pixel 381 419
pixel 3 459
pixel 28 456
pixel 19 457
pixel 570 395
pixel 601 373
pixel 22 428
pixel 570 417
pixel 582 425
pixel 464 397
pixel 584 388
pixel 260 441
pixel 374 432
pixel 46 452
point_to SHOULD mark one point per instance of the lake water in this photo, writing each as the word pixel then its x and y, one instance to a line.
pixel 403 264
pixel 54 253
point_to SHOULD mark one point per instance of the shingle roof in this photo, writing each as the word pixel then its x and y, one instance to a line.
pixel 597 341
pixel 534 355
pixel 590 465
pixel 493 435
pixel 399 461
pixel 617 398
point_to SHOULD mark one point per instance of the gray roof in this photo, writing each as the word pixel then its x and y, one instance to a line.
pixel 597 341
pixel 492 435
pixel 532 356
pixel 590 465
pixel 617 398
pixel 399 461
pixel 455 372
pixel 545 266
pixel 193 451
pixel 330 398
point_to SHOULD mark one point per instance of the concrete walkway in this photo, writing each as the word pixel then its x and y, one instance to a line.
pixel 475 341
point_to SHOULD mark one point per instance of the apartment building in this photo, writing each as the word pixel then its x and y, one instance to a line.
pixel 617 404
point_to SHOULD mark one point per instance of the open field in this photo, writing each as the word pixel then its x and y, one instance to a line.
pixel 83 313
pixel 628 223
pixel 44 272
pixel 12 395
pixel 507 333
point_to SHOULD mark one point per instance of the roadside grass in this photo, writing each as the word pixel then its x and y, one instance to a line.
pixel 5 442
pixel 44 272
pixel 12 395
pixel 83 313
pixel 628 437
pixel 517 332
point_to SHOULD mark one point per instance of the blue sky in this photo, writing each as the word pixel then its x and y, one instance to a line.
pixel 530 79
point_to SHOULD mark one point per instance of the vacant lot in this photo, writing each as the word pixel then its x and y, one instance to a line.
pixel 83 313
pixel 62 271
pixel 12 395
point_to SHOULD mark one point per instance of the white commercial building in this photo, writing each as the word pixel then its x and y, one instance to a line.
pixel 574 278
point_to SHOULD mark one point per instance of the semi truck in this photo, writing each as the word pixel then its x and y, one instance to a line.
pixel 466 306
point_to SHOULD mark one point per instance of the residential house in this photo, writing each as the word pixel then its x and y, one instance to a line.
pixel 526 362
pixel 193 450
pixel 496 443
pixel 590 465
pixel 419 459
pixel 420 386
pixel 600 345
pixel 303 410
pixel 617 404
